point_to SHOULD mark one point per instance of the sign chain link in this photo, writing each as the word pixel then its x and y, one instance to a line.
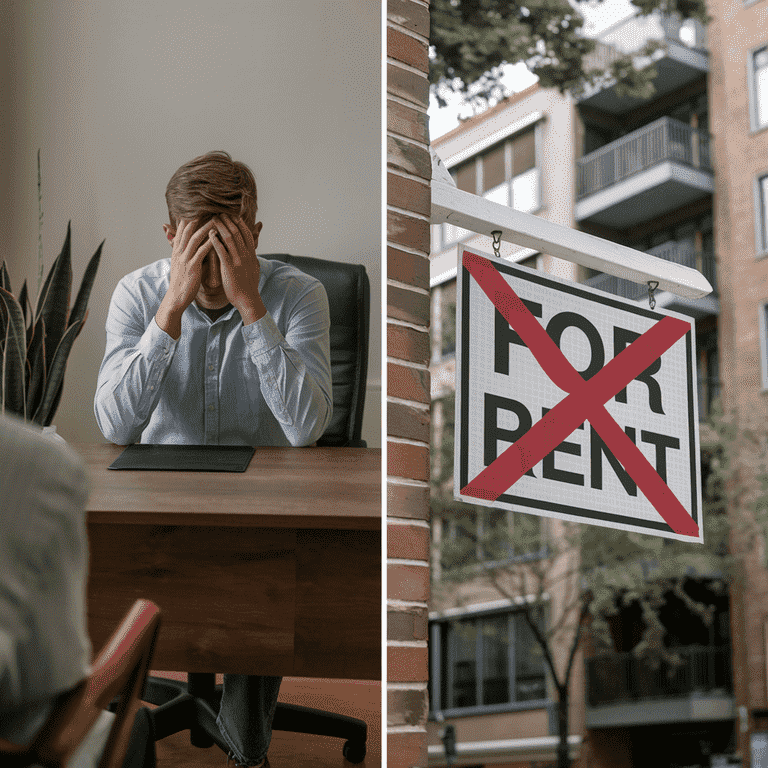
pixel 652 286
pixel 496 234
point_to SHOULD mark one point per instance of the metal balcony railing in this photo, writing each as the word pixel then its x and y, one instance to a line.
pixel 703 261
pixel 614 678
pixel 662 140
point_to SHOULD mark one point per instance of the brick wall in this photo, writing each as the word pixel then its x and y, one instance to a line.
pixel 740 157
pixel 409 171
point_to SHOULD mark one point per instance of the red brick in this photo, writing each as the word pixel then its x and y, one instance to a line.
pixel 407 664
pixel 407 707
pixel 406 460
pixel 407 421
pixel 409 158
pixel 406 121
pixel 407 623
pixel 408 268
pixel 407 305
pixel 408 501
pixel 407 49
pixel 408 542
pixel 409 15
pixel 407 85
pixel 408 194
pixel 407 582
pixel 408 383
pixel 408 343
pixel 406 750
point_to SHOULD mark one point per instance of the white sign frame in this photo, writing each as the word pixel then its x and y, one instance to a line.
pixel 467 355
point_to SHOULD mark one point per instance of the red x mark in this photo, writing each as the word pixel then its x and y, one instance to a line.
pixel 585 401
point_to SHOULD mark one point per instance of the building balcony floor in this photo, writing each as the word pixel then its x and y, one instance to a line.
pixel 637 178
pixel 695 707
pixel 624 690
pixel 680 59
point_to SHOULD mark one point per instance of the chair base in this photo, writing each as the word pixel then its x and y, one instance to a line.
pixel 194 705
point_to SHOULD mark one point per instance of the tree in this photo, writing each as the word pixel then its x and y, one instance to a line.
pixel 575 577
pixel 472 39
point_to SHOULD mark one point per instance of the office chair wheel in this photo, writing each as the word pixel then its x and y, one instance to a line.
pixel 354 751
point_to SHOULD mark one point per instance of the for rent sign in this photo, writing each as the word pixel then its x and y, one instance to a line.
pixel 574 404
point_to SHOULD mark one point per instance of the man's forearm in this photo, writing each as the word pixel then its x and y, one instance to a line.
pixel 252 311
pixel 168 318
pixel 129 380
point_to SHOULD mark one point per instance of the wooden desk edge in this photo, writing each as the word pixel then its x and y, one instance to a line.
pixel 351 523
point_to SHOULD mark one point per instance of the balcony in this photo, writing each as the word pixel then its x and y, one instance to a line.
pixel 679 253
pixel 622 690
pixel 680 59
pixel 658 168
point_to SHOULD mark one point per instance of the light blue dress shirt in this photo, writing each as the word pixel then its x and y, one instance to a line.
pixel 220 383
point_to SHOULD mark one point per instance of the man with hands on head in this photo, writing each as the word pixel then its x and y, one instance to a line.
pixel 218 346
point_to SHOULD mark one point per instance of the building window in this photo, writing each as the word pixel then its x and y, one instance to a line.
pixel 759 87
pixel 488 662
pixel 448 319
pixel 708 369
pixel 509 173
pixel 761 214
pixel 763 321
pixel 506 173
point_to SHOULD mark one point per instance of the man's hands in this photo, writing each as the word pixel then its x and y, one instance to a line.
pixel 235 246
pixel 189 249
pixel 219 257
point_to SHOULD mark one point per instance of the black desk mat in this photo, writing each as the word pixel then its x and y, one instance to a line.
pixel 188 458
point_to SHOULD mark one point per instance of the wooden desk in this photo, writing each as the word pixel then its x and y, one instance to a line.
pixel 276 570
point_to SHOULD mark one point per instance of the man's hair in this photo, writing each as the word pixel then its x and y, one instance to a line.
pixel 211 184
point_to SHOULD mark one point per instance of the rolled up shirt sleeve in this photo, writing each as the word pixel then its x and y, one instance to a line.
pixel 294 369
pixel 138 355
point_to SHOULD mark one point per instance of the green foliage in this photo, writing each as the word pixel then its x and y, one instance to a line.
pixel 472 39
pixel 36 344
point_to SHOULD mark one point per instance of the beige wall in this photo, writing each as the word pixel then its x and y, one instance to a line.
pixel 118 95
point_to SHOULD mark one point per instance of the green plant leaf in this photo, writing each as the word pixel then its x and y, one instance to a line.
pixel 55 404
pixel 86 284
pixel 37 370
pixel 5 279
pixel 24 302
pixel 53 302
pixel 14 356
pixel 56 369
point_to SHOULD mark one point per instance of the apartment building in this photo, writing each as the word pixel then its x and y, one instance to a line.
pixel 738 98
pixel 679 175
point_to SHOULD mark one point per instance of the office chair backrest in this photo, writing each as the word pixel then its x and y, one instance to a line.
pixel 349 297
pixel 120 669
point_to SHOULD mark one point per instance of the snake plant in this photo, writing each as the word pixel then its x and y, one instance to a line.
pixel 35 344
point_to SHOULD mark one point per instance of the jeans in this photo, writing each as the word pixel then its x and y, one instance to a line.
pixel 245 719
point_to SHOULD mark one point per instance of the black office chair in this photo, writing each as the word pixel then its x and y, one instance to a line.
pixel 195 704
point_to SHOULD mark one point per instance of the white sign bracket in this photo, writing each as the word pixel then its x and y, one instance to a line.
pixel 475 213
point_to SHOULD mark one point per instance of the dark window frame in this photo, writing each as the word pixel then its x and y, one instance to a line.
pixel 441 675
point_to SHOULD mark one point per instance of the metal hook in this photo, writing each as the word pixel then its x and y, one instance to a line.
pixel 496 234
pixel 652 286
